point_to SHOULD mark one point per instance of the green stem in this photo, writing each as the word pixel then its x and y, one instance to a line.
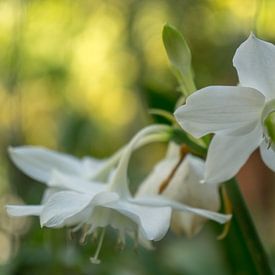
pixel 243 224
pixel 180 137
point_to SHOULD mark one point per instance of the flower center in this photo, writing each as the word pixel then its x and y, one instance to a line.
pixel 268 122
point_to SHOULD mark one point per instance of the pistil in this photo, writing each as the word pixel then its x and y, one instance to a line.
pixel 95 259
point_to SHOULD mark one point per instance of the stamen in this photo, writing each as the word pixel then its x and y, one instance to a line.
pixel 84 235
pixel 77 227
pixel 91 230
pixel 121 240
pixel 135 240
pixel 95 259
pixel 95 235
pixel 70 234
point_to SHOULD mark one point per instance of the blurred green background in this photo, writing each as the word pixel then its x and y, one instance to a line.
pixel 79 77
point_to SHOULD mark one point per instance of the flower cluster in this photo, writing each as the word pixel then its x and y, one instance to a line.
pixel 79 197
pixel 89 194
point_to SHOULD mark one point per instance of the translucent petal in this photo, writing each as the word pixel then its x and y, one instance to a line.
pixel 153 222
pixel 24 210
pixel 75 183
pixel 227 154
pixel 64 206
pixel 69 208
pixel 255 63
pixel 159 201
pixel 39 162
pixel 183 187
pixel 268 156
pixel 221 109
pixel 152 183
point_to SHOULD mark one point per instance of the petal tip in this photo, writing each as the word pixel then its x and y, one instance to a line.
pixel 11 150
pixel 252 35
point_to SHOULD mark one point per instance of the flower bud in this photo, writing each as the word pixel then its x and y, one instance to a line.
pixel 184 186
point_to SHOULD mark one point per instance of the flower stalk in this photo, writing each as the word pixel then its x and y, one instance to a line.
pixel 246 229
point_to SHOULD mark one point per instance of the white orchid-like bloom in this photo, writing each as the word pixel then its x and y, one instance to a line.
pixel 78 202
pixel 237 115
pixel 177 177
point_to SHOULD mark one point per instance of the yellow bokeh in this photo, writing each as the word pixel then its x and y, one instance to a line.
pixel 103 69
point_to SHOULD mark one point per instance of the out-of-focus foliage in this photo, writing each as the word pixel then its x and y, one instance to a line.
pixel 79 76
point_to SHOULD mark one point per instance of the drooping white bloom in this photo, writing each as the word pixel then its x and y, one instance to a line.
pixel 77 201
pixel 236 115
pixel 177 177
pixel 39 163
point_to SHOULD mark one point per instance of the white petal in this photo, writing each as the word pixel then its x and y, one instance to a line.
pixel 48 193
pixel 173 151
pixel 151 185
pixel 159 201
pixel 24 210
pixel 185 186
pixel 39 162
pixel 90 166
pixel 268 156
pixel 221 109
pixel 74 183
pixel 227 154
pixel 153 222
pixel 67 208
pixel 63 206
pixel 255 63
pixel 119 181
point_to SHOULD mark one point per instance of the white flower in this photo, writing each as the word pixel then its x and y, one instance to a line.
pixel 177 177
pixel 236 115
pixel 81 202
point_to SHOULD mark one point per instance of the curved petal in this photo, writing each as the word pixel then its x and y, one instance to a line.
pixel 59 180
pixel 185 186
pixel 152 183
pixel 67 208
pixel 159 201
pixel 62 206
pixel 90 166
pixel 268 156
pixel 227 154
pixel 221 109
pixel 153 222
pixel 48 193
pixel 39 162
pixel 255 64
pixel 24 210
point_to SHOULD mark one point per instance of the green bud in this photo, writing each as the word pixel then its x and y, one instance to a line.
pixel 269 124
pixel 179 55
pixel 268 120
